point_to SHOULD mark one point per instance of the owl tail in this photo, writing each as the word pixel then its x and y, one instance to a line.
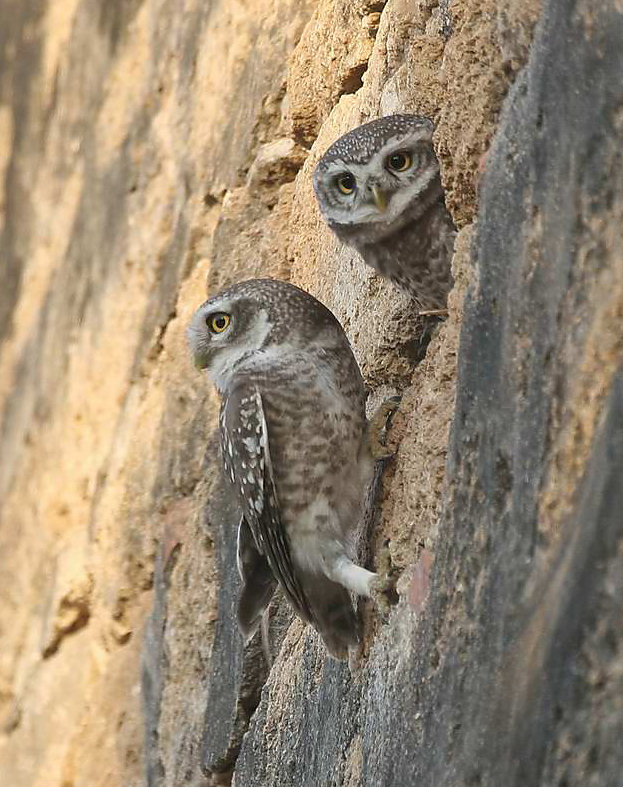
pixel 258 582
pixel 334 617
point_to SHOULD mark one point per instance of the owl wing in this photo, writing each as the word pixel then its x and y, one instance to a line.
pixel 246 453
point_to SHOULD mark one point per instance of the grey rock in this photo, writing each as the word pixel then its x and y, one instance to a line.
pixel 237 673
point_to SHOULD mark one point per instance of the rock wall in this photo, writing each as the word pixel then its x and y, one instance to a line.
pixel 147 146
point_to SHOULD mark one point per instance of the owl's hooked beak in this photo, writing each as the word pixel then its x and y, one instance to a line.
pixel 380 198
pixel 199 347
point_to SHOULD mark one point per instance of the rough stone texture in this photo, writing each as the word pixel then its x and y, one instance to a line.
pixel 147 146
pixel 124 126
pixel 496 682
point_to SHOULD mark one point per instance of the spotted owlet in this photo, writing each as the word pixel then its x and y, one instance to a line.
pixel 294 440
pixel 380 191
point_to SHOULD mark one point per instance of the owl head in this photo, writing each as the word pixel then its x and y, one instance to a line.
pixel 378 177
pixel 260 322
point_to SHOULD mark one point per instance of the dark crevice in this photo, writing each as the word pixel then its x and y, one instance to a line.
pixel 354 79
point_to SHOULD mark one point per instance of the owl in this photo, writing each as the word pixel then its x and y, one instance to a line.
pixel 379 189
pixel 296 447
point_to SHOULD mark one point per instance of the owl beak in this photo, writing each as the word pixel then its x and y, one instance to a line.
pixel 380 198
pixel 201 358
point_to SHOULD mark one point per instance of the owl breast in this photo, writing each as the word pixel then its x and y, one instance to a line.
pixel 321 465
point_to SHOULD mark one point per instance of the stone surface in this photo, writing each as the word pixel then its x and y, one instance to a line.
pixel 149 146
pixel 496 681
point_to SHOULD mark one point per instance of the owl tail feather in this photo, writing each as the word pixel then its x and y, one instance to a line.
pixel 334 617
pixel 257 591
pixel 258 583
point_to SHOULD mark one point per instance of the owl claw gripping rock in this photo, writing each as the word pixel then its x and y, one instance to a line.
pixel 295 444
pixel 379 189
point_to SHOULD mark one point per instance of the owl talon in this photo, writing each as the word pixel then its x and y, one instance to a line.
pixel 379 426
pixel 384 593
pixel 384 585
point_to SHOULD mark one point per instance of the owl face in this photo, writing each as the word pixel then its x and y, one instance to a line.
pixel 373 177
pixel 256 317
pixel 223 330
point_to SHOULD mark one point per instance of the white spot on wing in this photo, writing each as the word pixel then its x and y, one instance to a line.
pixel 250 443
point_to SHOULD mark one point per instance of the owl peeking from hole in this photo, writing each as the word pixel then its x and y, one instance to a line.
pixel 379 189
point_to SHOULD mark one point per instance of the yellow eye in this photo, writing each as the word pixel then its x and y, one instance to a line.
pixel 218 322
pixel 346 183
pixel 399 161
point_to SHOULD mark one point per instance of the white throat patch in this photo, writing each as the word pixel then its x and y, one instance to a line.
pixel 224 363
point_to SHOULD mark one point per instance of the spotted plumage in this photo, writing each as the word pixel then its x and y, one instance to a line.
pixel 380 191
pixel 295 445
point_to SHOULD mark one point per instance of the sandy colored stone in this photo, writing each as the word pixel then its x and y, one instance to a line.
pixel 156 151
pixel 330 61
pixel 414 483
pixel 576 413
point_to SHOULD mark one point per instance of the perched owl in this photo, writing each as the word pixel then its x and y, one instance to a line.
pixel 380 191
pixel 294 440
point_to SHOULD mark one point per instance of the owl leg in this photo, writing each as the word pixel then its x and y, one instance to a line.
pixel 378 427
pixel 381 587
pixel 353 577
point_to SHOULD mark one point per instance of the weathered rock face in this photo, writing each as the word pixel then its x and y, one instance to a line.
pixel 147 146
